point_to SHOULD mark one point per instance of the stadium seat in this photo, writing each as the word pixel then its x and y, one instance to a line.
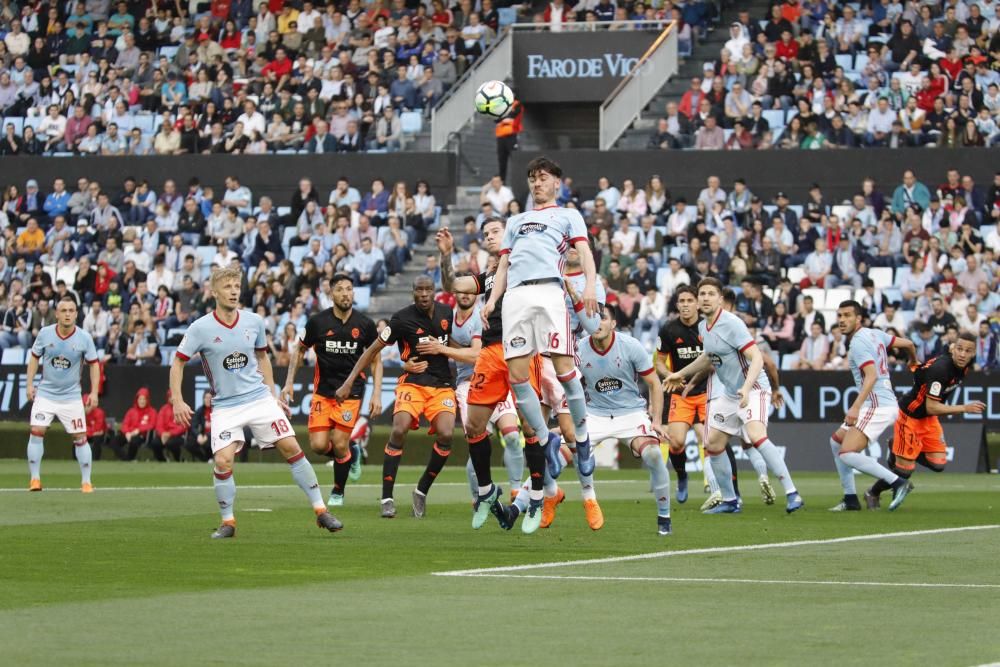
pixel 836 296
pixel 206 253
pixel 677 251
pixel 789 360
pixel 168 51
pixel 362 297
pixel 846 61
pixel 13 356
pixel 33 122
pixel 830 315
pixel 18 124
pixel 774 117
pixel 289 234
pixel 893 294
pixel 144 122
pixel 860 294
pixel 296 253
pixel 881 276
pixel 67 274
pixel 860 62
pixel 167 355
pixel 284 210
pixel 796 274
pixel 412 122
pixel 818 295
pixel 842 211
pixel 902 273
pixel 797 209
pixel 661 275
pixel 507 16
pixel 908 317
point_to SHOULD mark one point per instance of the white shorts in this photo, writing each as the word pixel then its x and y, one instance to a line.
pixel 874 421
pixel 624 428
pixel 553 394
pixel 725 414
pixel 264 417
pixel 503 408
pixel 70 413
pixel 535 320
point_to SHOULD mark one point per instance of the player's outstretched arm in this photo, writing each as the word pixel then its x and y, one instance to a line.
pixel 182 411
pixel 32 371
pixel 449 283
pixel 590 273
pixel 771 369
pixel 907 345
pixel 295 360
pixel 374 352
pixel 937 408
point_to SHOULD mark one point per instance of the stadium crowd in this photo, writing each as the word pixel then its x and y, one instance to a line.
pixel 136 256
pixel 228 76
pixel 822 75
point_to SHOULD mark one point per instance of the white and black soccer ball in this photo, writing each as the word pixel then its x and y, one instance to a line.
pixel 494 99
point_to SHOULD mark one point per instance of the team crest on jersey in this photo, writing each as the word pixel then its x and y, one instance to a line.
pixel 60 363
pixel 39 416
pixel 517 342
pixel 608 385
pixel 448 403
pixel 355 333
pixel 235 362
pixel 531 228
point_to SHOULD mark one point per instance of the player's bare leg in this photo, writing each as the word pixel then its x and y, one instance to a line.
pixel 852 445
pixel 904 467
pixel 444 426
pixel 336 445
pixel 756 433
pixel 390 464
pixel 648 450
pixel 304 475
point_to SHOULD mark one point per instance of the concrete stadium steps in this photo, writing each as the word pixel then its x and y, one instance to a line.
pixel 705 50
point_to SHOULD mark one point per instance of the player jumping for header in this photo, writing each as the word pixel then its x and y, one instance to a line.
pixel 874 409
pixel 233 348
pixel 743 408
pixel 535 317
pixel 917 436
pixel 60 350
pixel 338 336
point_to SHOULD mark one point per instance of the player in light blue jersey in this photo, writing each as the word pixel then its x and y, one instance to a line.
pixel 874 410
pixel 611 364
pixel 535 318
pixel 233 348
pixel 60 351
pixel 743 407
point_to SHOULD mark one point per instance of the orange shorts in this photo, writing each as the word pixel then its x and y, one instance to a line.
pixel 428 402
pixel 687 409
pixel 490 381
pixel 327 414
pixel 911 437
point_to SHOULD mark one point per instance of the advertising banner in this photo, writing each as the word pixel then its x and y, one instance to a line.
pixel 575 66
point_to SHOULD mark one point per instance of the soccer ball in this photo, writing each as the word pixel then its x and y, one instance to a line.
pixel 494 99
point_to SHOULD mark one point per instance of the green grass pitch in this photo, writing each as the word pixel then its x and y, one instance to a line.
pixel 129 576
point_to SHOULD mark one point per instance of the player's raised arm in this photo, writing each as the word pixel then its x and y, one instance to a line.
pixel 449 283
pixel 373 353
pixel 756 359
pixel 499 287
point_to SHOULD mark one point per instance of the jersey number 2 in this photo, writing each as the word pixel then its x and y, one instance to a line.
pixel 883 364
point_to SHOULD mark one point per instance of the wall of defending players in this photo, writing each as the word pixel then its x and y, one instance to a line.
pixel 813 400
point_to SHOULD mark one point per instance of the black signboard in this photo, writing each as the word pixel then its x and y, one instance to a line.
pixel 575 66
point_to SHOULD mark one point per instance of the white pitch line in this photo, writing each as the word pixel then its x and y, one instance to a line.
pixel 708 550
pixel 698 580
pixel 203 487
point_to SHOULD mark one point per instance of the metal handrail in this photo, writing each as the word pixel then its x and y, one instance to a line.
pixel 638 66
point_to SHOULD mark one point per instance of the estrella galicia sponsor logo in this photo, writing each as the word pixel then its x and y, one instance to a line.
pixel 518 342
pixel 531 228
pixel 235 362
pixel 715 359
pixel 61 363
pixel 608 385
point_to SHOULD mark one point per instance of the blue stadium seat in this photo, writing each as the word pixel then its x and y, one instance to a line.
pixel 774 117
pixel 296 253
pixel 17 122
pixel 412 122
pixel 289 234
pixel 860 62
pixel 167 355
pixel 206 253
pixel 796 274
pixel 13 356
pixel 881 276
pixel 33 122
pixel 902 273
pixel 507 16
pixel 845 60
pixel 789 360
pixel 144 122
pixel 362 297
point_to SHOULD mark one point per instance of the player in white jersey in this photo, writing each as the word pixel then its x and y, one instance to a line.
pixel 554 401
pixel 60 350
pixel 872 412
pixel 233 348
pixel 611 364
pixel 535 318
pixel 743 407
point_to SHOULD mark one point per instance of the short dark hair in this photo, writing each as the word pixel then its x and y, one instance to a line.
pixel 729 297
pixel 685 289
pixel 543 163
pixel 69 298
pixel 711 282
pixel 967 335
pixel 341 277
pixel 851 303
pixel 492 218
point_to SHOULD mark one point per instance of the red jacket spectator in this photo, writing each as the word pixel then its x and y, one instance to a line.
pixel 787 50
pixel 220 9
pixel 951 67
pixel 166 427
pixel 689 102
pixel 141 416
pixel 97 423
pixel 279 67
pixel 104 277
